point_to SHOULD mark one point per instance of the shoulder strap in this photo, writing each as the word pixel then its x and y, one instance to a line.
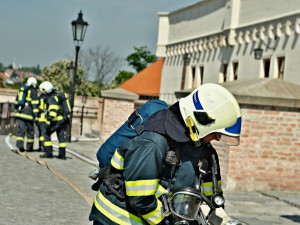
pixel 132 118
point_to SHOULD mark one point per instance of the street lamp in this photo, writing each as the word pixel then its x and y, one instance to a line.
pixel 79 27
pixel 258 53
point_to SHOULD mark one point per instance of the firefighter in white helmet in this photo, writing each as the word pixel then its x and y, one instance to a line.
pixel 26 113
pixel 57 114
pixel 166 157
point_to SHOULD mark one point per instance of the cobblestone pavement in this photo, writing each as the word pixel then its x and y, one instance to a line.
pixel 31 194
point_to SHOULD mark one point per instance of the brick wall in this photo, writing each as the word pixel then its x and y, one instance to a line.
pixel 268 157
pixel 115 113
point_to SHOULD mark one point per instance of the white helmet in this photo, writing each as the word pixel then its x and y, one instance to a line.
pixel 46 87
pixel 31 82
pixel 211 108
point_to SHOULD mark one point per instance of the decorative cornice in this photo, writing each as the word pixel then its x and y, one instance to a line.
pixel 255 33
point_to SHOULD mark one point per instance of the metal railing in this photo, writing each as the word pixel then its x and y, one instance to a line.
pixel 82 112
pixel 7 118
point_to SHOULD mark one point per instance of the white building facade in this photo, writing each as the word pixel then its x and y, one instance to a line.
pixel 218 39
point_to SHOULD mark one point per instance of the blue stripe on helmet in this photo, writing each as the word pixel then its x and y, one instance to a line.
pixel 196 101
pixel 236 128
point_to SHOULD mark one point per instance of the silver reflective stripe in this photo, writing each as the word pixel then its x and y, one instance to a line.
pixel 118 161
pixel 157 217
pixel 142 188
pixel 121 219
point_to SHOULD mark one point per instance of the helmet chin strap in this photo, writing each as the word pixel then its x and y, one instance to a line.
pixel 193 131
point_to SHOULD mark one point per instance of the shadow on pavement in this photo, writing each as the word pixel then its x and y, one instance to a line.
pixel 294 218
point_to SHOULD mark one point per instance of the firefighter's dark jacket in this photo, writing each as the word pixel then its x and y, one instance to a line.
pixel 146 175
pixel 55 107
pixel 30 111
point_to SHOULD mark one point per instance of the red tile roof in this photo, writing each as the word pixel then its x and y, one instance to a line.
pixel 2 75
pixel 146 82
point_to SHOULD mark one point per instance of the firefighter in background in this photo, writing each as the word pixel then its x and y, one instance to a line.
pixel 143 171
pixel 26 107
pixel 58 114
pixel 42 120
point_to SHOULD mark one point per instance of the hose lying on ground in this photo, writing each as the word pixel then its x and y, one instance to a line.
pixel 85 196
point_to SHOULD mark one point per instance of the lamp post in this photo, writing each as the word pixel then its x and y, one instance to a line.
pixel 79 27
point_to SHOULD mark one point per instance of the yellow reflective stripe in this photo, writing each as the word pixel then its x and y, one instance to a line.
pixel 16 102
pixel 24 116
pixel 56 98
pixel 47 143
pixel 35 110
pixel 42 119
pixel 58 118
pixel 20 139
pixel 115 213
pixel 20 95
pixel 68 103
pixel 35 102
pixel 41 138
pixel 117 161
pixel 160 191
pixel 156 216
pixel 141 187
pixel 55 107
pixel 62 145
pixel 28 97
pixel 53 114
pixel 30 140
pixel 207 188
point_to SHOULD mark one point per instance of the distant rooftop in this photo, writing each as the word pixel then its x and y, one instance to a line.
pixel 146 82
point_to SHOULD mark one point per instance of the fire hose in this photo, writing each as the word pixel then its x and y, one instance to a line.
pixel 85 196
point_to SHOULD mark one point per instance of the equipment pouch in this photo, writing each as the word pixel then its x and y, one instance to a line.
pixel 115 184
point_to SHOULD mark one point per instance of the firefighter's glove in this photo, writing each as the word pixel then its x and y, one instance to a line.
pixel 20 108
pixel 67 118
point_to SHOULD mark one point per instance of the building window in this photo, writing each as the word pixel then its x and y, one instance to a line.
pixel 201 74
pixel 235 70
pixel 224 72
pixel 267 67
pixel 193 76
pixel 281 63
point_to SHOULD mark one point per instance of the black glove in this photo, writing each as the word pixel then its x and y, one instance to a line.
pixel 67 118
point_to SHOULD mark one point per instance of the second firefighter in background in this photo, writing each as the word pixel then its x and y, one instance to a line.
pixel 57 116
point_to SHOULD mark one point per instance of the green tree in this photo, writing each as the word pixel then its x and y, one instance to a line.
pixel 57 74
pixel 101 64
pixel 141 58
pixel 122 76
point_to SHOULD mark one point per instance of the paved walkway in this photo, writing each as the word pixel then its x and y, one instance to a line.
pixel 31 194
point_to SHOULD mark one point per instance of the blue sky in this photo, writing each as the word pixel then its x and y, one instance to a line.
pixel 39 31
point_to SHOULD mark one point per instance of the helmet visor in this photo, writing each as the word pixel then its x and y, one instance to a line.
pixel 228 140
pixel 185 205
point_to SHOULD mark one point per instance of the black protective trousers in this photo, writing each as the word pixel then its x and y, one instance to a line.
pixel 25 127
pixel 60 128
